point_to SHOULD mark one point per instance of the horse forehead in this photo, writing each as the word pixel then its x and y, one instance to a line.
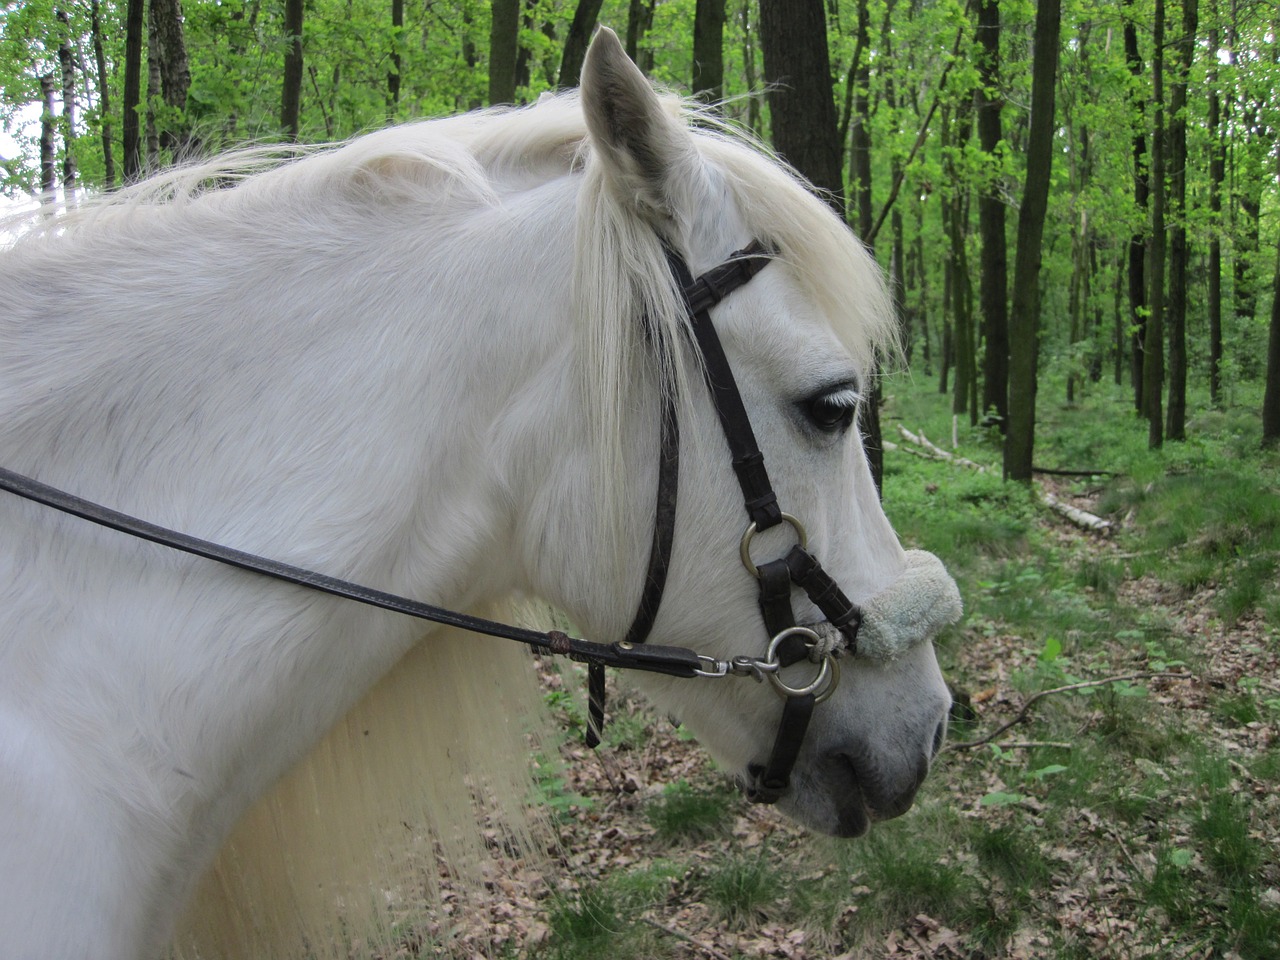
pixel 779 326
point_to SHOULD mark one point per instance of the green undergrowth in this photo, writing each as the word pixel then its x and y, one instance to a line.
pixel 1131 818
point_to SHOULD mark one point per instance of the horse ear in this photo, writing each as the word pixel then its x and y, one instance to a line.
pixel 642 145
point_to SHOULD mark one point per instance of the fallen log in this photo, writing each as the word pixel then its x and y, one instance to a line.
pixel 1081 518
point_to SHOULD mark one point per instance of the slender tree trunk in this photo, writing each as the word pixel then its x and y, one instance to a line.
pixel 67 67
pixel 708 50
pixel 1271 396
pixel 1217 174
pixel 1025 312
pixel 135 25
pixel 639 20
pixel 104 95
pixel 291 90
pixel 860 146
pixel 48 143
pixel 1153 343
pixel 575 44
pixel 993 283
pixel 749 69
pixel 1141 196
pixel 393 75
pixel 504 41
pixel 154 98
pixel 1176 418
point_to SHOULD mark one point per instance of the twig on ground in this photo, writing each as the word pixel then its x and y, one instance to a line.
pixel 704 947
pixel 1083 685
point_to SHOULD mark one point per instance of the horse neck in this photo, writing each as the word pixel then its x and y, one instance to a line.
pixel 346 394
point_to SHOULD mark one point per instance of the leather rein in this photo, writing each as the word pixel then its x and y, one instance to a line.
pixel 788 643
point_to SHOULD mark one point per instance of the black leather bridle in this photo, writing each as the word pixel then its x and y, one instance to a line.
pixel 788 642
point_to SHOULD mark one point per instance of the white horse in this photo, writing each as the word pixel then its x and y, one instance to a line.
pixel 422 361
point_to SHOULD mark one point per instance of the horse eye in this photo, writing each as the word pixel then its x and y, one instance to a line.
pixel 832 411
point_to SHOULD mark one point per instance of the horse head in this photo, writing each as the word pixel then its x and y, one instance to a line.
pixel 801 339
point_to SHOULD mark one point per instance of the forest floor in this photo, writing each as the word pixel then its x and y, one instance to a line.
pixel 1120 818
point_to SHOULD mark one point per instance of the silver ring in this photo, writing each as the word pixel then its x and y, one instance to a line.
pixel 752 529
pixel 822 686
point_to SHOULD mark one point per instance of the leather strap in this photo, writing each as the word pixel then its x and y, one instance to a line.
pixel 673 661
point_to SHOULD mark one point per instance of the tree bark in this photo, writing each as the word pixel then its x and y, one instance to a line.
pixel 135 24
pixel 393 75
pixel 993 283
pixel 576 43
pixel 504 42
pixel 291 89
pixel 639 20
pixel 1271 395
pixel 1025 312
pixel 67 68
pixel 1153 341
pixel 174 73
pixel 48 143
pixel 1141 197
pixel 1176 415
pixel 1217 175
pixel 708 50
pixel 104 95
pixel 860 145
pixel 797 68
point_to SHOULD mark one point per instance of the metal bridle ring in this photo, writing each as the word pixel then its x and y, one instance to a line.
pixel 745 548
pixel 823 685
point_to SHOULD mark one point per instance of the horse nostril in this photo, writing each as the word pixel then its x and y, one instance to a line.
pixel 939 734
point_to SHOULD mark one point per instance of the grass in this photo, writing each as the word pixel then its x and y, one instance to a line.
pixel 1143 824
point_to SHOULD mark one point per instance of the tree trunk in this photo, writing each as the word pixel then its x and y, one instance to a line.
pixel 639 20
pixel 576 43
pixel 1141 196
pixel 135 24
pixel 749 70
pixel 1153 342
pixel 48 143
pixel 67 67
pixel 708 50
pixel 1271 396
pixel 956 219
pixel 1176 417
pixel 860 146
pixel 104 95
pixel 1025 313
pixel 291 90
pixel 504 42
pixel 993 284
pixel 174 73
pixel 797 68
pixel 393 75
pixel 1217 174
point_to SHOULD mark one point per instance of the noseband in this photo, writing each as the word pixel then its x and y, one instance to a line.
pixel 788 643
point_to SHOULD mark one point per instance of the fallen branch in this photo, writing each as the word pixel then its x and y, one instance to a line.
pixel 1081 518
pixel 1068 688
pixel 704 947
